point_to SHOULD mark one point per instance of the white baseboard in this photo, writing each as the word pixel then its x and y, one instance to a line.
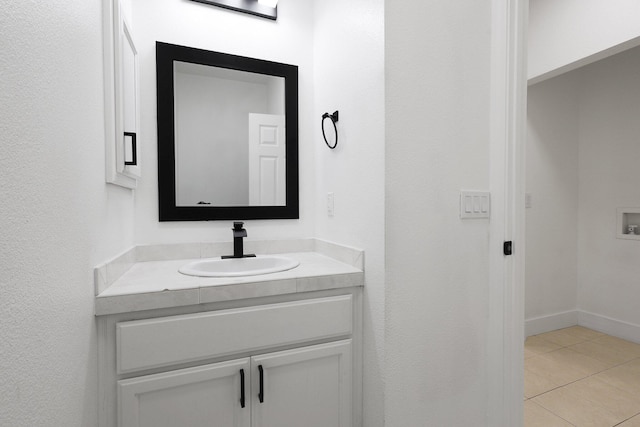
pixel 597 322
pixel 551 322
pixel 617 328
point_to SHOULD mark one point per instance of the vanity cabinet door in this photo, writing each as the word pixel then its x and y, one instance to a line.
pixel 308 386
pixel 209 395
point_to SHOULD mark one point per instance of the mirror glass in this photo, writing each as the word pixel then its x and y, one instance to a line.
pixel 239 143
pixel 227 136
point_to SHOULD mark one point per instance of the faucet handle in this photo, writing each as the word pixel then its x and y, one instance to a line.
pixel 237 225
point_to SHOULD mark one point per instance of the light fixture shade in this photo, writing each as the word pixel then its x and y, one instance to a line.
pixel 270 3
pixel 252 7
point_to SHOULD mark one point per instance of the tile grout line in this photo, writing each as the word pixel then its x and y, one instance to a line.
pixel 584 378
pixel 580 379
pixel 554 414
pixel 624 421
pixel 565 385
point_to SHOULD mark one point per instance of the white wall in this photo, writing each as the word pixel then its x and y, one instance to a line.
pixel 437 61
pixel 582 160
pixel 567 34
pixel 609 268
pixel 552 180
pixel 287 40
pixel 349 76
pixel 59 218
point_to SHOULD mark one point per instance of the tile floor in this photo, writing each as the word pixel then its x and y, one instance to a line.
pixel 580 377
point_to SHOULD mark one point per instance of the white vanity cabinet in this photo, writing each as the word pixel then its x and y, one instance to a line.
pixel 190 397
pixel 308 386
pixel 282 361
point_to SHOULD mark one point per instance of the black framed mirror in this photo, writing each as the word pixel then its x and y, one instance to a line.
pixel 227 136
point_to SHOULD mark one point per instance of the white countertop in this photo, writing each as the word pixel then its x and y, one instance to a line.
pixel 158 284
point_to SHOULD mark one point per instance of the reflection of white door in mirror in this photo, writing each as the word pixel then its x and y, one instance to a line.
pixel 121 97
pixel 267 157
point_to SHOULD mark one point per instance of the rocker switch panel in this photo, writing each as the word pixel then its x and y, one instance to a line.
pixel 475 204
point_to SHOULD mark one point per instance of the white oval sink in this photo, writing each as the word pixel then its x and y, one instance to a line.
pixel 236 267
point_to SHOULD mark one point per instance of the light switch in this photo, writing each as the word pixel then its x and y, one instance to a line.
pixel 475 204
pixel 484 208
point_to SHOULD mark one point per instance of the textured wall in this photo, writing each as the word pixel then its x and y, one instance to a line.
pixel 349 77
pixel 552 180
pixel 437 55
pixel 59 218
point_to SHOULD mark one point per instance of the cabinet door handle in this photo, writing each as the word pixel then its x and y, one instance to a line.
pixel 242 388
pixel 261 393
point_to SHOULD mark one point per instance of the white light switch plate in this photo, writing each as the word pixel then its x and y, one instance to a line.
pixel 475 204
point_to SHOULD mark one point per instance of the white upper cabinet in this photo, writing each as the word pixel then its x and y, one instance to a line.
pixel 122 116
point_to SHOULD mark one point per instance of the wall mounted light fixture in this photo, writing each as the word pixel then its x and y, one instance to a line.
pixel 263 8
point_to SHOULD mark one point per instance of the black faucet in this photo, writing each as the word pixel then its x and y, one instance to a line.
pixel 238 233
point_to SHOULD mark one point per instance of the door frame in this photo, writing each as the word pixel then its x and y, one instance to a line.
pixel 507 181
